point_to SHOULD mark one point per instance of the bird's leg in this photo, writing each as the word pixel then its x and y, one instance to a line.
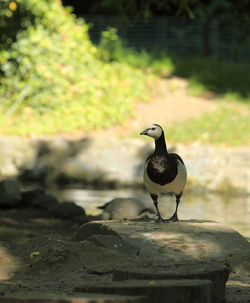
pixel 155 200
pixel 174 218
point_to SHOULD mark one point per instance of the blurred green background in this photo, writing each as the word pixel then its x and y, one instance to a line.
pixel 54 79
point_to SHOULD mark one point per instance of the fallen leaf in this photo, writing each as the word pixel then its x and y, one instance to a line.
pixel 34 254
pixel 202 245
pixel 203 256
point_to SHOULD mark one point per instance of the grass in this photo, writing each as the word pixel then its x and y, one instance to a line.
pixel 228 125
pixel 222 78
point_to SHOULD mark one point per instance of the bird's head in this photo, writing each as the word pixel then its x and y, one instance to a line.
pixel 154 130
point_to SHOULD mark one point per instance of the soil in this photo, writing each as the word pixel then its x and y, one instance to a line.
pixel 36 256
pixel 170 104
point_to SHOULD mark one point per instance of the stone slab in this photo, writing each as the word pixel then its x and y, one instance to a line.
pixel 59 160
pixel 187 250
pixel 217 274
pixel 175 244
pixel 83 298
pixel 160 291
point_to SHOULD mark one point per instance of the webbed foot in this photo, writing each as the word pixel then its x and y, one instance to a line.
pixel 174 218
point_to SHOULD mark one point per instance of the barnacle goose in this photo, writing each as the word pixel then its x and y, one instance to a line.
pixel 126 208
pixel 163 172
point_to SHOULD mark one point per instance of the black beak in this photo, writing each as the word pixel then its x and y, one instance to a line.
pixel 145 132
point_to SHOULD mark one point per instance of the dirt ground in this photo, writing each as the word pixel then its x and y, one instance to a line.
pixel 37 259
pixel 36 256
pixel 170 103
pixel 33 252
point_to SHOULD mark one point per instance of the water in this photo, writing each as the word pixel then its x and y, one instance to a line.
pixel 230 210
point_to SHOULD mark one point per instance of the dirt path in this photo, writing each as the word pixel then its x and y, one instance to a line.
pixel 171 103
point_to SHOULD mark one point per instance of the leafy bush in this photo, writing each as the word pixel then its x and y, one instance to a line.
pixel 53 78
pixel 110 45
pixel 112 49
pixel 204 74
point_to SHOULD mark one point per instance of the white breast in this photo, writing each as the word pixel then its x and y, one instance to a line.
pixel 176 186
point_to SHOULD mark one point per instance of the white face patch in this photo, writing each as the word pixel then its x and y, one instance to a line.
pixel 154 131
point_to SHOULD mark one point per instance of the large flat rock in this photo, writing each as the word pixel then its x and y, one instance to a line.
pixel 187 250
pixel 175 244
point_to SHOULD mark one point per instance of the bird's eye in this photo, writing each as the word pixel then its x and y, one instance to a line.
pixel 153 128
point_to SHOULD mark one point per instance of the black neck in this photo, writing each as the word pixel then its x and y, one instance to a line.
pixel 160 145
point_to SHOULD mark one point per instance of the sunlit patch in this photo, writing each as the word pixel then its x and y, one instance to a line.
pixel 8 264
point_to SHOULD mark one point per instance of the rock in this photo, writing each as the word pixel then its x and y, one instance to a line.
pixel 175 243
pixel 59 147
pixel 16 155
pixel 217 274
pixel 122 162
pixel 190 239
pixel 202 165
pixel 89 229
pixel 113 242
pixel 161 291
pixel 67 210
pixel 125 208
pixel 10 194
pixel 38 198
pixel 184 250
pixel 65 161
pixel 83 298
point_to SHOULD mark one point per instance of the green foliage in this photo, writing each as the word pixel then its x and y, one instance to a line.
pixel 229 125
pixel 223 78
pixel 52 77
pixel 54 80
pixel 110 45
pixel 112 49
pixel 19 15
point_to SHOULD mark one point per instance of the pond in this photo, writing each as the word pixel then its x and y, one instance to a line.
pixel 230 210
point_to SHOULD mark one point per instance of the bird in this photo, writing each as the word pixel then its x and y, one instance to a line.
pixel 163 172
pixel 125 208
